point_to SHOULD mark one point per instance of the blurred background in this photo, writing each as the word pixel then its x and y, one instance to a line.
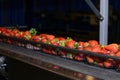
pixel 64 18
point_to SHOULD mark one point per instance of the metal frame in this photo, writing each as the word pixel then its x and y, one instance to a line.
pixel 103 31
pixel 94 9
pixel 103 34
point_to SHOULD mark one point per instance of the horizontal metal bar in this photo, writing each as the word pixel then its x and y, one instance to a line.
pixel 75 51
pixel 47 62
pixel 69 68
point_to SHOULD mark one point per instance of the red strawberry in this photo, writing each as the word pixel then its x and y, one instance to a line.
pixel 79 57
pixel 88 48
pixel 112 47
pixel 70 44
pixel 50 37
pixel 118 54
pixel 86 44
pixel 80 45
pixel 104 51
pixel 35 38
pixel 61 38
pixel 55 42
pixel 43 40
pixel 90 59
pixel 100 64
pixel 45 50
pixel 95 48
pixel 93 42
pixel 2 29
pixel 42 35
pixel 108 63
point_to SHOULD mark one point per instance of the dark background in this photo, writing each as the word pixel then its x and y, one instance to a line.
pixel 71 18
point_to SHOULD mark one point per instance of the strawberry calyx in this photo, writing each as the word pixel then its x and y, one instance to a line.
pixel 33 31
pixel 62 43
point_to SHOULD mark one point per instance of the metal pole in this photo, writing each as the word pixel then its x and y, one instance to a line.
pixel 103 34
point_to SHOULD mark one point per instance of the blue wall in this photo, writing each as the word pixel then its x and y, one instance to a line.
pixel 12 12
pixel 52 10
pixel 29 12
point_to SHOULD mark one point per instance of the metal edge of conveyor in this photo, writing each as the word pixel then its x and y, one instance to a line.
pixel 25 42
pixel 66 64
pixel 44 61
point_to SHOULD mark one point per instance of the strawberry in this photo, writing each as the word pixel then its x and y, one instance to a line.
pixel 88 48
pixel 27 35
pixel 100 64
pixel 70 43
pixel 35 38
pixel 50 37
pixel 42 35
pixel 78 57
pixel 93 42
pixel 43 40
pixel 61 38
pixel 118 54
pixel 17 35
pixel 90 59
pixel 80 45
pixel 55 42
pixel 95 48
pixel 104 51
pixel 108 63
pixel 45 50
pixel 2 29
pixel 112 47
pixel 86 44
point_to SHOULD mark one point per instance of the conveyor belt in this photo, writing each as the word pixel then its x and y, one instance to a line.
pixel 68 68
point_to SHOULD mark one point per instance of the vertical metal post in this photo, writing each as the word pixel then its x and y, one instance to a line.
pixel 103 34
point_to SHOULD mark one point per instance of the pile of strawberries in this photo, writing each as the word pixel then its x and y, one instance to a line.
pixel 90 46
